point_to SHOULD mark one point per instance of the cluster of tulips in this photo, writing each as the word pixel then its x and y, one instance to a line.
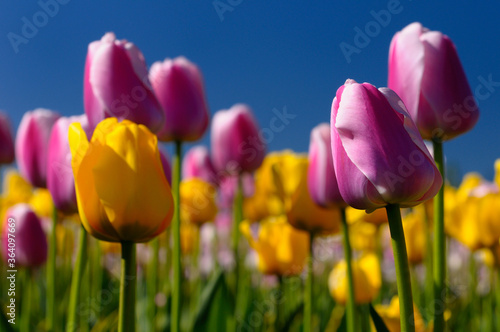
pixel 360 234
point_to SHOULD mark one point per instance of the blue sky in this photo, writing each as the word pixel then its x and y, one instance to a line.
pixel 269 54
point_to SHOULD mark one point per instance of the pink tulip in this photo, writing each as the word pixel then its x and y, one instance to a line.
pixel 116 84
pixel 425 71
pixel 30 247
pixel 178 84
pixel 60 180
pixel 321 179
pixel 379 157
pixel 32 145
pixel 228 186
pixel 6 143
pixel 236 144
pixel 198 164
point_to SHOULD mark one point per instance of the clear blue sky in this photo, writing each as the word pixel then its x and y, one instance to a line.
pixel 268 54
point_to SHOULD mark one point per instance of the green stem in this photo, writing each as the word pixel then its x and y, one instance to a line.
pixel 279 301
pixel 497 299
pixel 439 244
pixel 195 281
pixel 429 282
pixel 97 276
pixel 473 296
pixel 308 290
pixel 51 274
pixel 237 218
pixel 76 279
pixel 351 300
pixel 128 280
pixel 26 302
pixel 152 285
pixel 175 315
pixel 402 269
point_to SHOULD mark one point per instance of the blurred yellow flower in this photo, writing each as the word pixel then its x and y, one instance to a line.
pixel 390 316
pixel 197 201
pixel 121 189
pixel 41 202
pixel 363 236
pixel 366 275
pixel 189 236
pixel 281 249
pixel 414 228
pixel 15 190
pixel 377 217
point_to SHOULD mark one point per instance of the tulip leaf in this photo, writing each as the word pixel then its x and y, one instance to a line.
pixel 214 307
pixel 377 320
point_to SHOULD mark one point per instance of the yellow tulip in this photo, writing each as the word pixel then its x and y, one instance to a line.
pixel 390 316
pixel 363 236
pixel 189 236
pixel 197 201
pixel 281 249
pixel 41 202
pixel 261 205
pixel 414 228
pixel 377 217
pixel 121 190
pixel 367 279
pixel 15 190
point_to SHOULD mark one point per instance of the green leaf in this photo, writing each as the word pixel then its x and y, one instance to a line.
pixel 377 320
pixel 4 324
pixel 215 308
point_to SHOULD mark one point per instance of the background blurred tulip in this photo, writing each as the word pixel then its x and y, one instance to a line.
pixel 281 249
pixel 178 84
pixel 379 157
pixel 60 180
pixel 121 189
pixel 321 179
pixel 367 279
pixel 197 163
pixel 236 144
pixel 425 71
pixel 32 145
pixel 167 168
pixel 197 201
pixel 414 228
pixel 6 142
pixel 30 243
pixel 390 316
pixel 116 84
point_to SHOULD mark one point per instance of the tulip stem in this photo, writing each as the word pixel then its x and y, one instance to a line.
pixel 402 268
pixel 439 244
pixel 26 308
pixel 429 278
pixel 128 280
pixel 175 316
pixel 351 304
pixel 308 290
pixel 76 280
pixel 51 274
pixel 497 295
pixel 237 218
pixel 152 285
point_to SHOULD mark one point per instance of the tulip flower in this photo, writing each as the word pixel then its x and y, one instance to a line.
pixel 425 71
pixel 197 201
pixel 380 160
pixel 121 190
pixel 391 316
pixel 321 179
pixel 30 247
pixel 198 164
pixel 167 168
pixel 378 155
pixel 32 143
pixel 60 181
pixel 116 84
pixel 281 249
pixel 367 279
pixel 178 84
pixel 377 217
pixel 6 142
pixel 414 228
pixel 237 146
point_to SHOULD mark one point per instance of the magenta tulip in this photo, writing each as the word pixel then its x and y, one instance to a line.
pixel 30 246
pixel 60 180
pixel 198 164
pixel 321 179
pixel 116 84
pixel 178 84
pixel 236 144
pixel 425 71
pixel 228 186
pixel 6 142
pixel 32 145
pixel 379 157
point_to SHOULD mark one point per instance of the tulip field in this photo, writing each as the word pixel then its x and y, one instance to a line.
pixel 102 229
